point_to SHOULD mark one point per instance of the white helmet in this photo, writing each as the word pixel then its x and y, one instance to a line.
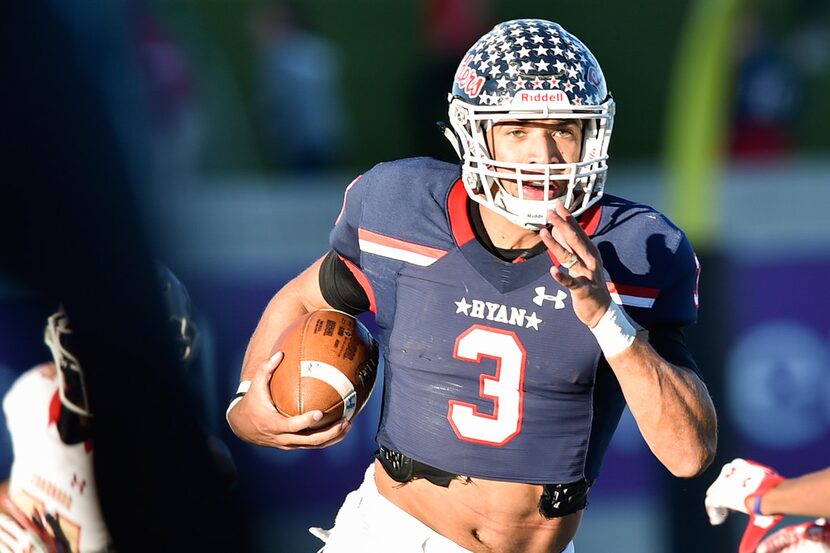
pixel 530 69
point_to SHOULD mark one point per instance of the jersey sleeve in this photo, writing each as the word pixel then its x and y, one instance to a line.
pixel 345 243
pixel 344 238
pixel 677 303
pixel 340 286
pixel 670 343
pixel 675 308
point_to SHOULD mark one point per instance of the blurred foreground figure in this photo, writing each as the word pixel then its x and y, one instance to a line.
pixel 766 496
pixel 52 498
pixel 71 233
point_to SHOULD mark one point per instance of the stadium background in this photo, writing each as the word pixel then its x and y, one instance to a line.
pixel 234 221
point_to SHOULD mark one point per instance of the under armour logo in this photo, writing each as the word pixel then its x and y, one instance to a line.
pixel 558 300
pixel 78 482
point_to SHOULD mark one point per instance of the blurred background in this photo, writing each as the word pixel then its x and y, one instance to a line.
pixel 242 121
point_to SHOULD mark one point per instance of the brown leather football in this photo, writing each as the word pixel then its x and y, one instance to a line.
pixel 330 364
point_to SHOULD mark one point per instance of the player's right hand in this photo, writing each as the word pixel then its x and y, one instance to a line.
pixel 256 420
pixel 585 278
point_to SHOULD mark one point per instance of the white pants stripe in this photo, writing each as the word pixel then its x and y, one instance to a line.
pixel 370 523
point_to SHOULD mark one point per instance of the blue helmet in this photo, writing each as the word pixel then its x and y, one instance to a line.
pixel 530 69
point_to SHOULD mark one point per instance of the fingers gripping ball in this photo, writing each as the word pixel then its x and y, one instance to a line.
pixel 330 364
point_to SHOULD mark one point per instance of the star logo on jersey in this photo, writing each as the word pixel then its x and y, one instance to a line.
pixel 558 300
pixel 497 312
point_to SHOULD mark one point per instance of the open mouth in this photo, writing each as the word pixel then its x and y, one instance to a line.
pixel 535 190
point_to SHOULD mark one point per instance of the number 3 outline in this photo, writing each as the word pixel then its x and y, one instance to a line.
pixel 503 346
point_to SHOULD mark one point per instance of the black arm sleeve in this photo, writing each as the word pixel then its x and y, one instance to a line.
pixel 669 342
pixel 339 286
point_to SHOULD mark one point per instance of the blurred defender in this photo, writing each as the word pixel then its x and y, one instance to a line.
pixel 52 501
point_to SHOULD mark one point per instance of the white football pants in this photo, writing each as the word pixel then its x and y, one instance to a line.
pixel 370 523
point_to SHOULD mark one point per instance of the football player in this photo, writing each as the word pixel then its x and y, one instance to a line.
pixel 766 496
pixel 50 503
pixel 519 309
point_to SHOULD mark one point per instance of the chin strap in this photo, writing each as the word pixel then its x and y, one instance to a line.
pixel 517 210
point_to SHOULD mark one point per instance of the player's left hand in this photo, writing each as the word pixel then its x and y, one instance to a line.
pixel 580 269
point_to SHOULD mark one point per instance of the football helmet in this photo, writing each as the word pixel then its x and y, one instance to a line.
pixel 530 69
pixel 58 337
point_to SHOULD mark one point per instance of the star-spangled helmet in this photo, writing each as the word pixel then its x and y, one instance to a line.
pixel 530 69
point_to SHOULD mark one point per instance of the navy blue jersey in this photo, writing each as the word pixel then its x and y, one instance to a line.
pixel 488 372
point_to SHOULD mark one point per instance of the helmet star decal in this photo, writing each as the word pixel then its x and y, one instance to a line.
pixel 554 61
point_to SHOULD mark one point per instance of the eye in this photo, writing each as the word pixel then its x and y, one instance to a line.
pixel 562 133
pixel 516 133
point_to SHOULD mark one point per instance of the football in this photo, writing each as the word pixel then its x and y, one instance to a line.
pixel 330 363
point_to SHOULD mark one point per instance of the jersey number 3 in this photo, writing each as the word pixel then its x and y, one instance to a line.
pixel 505 389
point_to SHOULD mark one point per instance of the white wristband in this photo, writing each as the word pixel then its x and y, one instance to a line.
pixel 614 332
pixel 244 386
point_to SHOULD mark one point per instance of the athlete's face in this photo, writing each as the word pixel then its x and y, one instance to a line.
pixel 536 142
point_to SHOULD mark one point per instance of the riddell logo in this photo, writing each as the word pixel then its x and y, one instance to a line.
pixel 540 97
